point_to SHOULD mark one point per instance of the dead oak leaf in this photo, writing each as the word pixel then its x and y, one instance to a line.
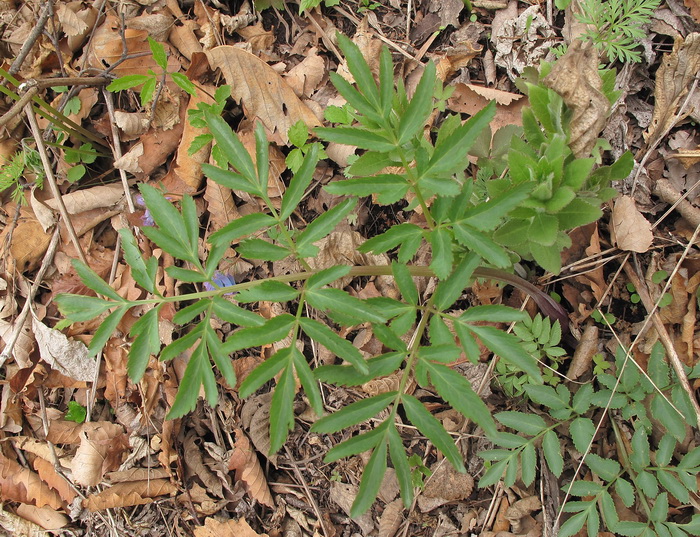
pixel 261 91
pixel 230 528
pixel 245 462
pixel 631 230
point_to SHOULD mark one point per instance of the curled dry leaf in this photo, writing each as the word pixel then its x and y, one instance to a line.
pixel 255 417
pixel 22 485
pixel 68 357
pixel 391 519
pixel 24 344
pixel 261 91
pixel 48 474
pixel 194 463
pixel 131 123
pixel 245 462
pixel 445 485
pixel 344 495
pixel 632 232
pixel 47 518
pixel 575 77
pixel 229 528
pixel 18 526
pixel 129 494
pixel 677 71
pixel 99 452
pixel 29 240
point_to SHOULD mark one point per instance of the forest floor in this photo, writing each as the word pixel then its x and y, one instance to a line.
pixel 85 451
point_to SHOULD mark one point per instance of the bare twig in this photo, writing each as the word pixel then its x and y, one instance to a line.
pixel 117 148
pixel 33 36
pixel 22 317
pixel 41 148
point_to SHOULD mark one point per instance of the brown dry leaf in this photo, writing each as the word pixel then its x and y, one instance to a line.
pixel 99 452
pixel 344 495
pixel 247 466
pixel 255 417
pixel 275 185
pixel 220 205
pixel 137 474
pixel 262 92
pixel 305 77
pixel 229 528
pixel 47 518
pixel 18 526
pixel 519 514
pixel 687 157
pixel 632 232
pixel 129 161
pixel 131 123
pixel 194 462
pixel 391 519
pixel 469 99
pixel 24 344
pixel 387 384
pixel 97 197
pixel 29 240
pixel 583 355
pixel 445 485
pixel 67 356
pixel 677 71
pixel 129 494
pixel 188 168
pixel 106 49
pixel 694 7
pixel 22 485
pixel 257 36
pixel 575 77
pixel 48 474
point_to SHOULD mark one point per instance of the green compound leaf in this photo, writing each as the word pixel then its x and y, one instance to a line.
pixel 326 276
pixel 197 373
pixel 184 83
pixel 420 107
pixel 105 330
pixel 273 330
pixel 457 391
pixel 261 249
pixel 78 308
pixel 159 55
pixel 91 279
pixel 552 452
pixel 265 372
pixel 282 409
pixel 640 457
pixel 146 342
pixel 493 313
pixel 354 413
pixel 389 188
pixel 299 183
pixel 481 244
pixel 449 291
pixel 391 238
pixel 547 396
pixel 346 375
pixel 240 227
pixel 528 463
pixel 308 382
pixel 401 465
pixel 529 424
pixel 429 426
pixel 144 272
pixel 509 349
pixel 320 333
pixel 372 477
pixel 325 223
pixel 232 148
pixel 360 71
pixel 671 483
pixel 582 431
pixel 236 315
pixel 441 243
pixel 271 291
pixel 127 82
pixel 357 444
pixel 355 137
pixel 404 281
pixel 341 302
pixel 607 469
pixel 229 179
pixel 573 525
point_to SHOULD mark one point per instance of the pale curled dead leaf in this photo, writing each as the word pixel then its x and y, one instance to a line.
pixel 129 494
pixel 344 495
pixel 229 528
pixel 677 70
pixel 261 91
pixel 391 519
pixel 445 485
pixel 66 356
pixel 245 462
pixel 99 452
pixel 255 417
pixel 575 77
pixel 632 232
pixel 47 518
pixel 22 485
pixel 18 526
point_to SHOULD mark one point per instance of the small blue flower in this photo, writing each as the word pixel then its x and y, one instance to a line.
pixel 220 280
pixel 146 219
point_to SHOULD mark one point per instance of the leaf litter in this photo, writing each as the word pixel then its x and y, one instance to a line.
pixel 67 475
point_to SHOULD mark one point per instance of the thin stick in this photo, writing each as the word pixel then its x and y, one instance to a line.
pixel 29 111
pixel 22 317
pixel 117 148
pixel 33 36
